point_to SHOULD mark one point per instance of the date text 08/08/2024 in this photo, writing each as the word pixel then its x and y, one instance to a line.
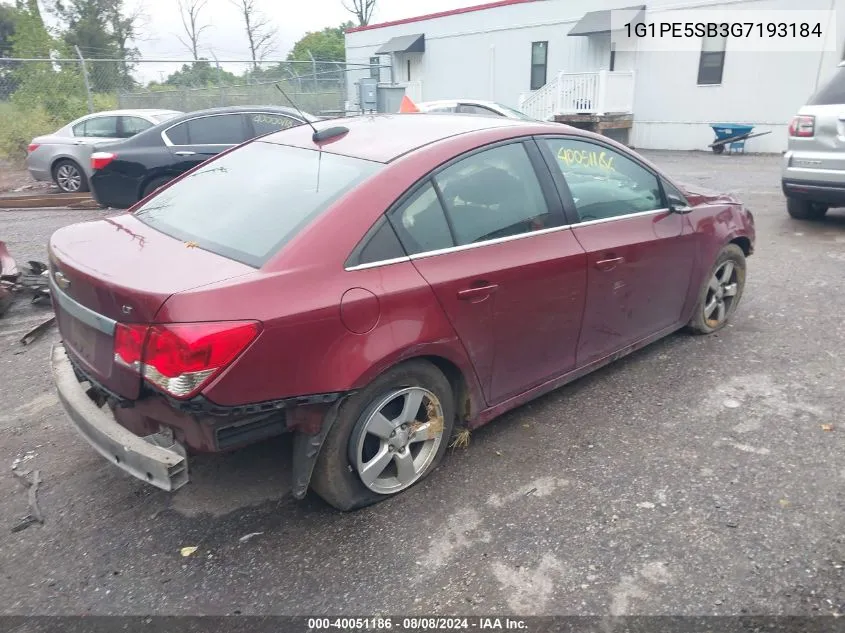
pixel 724 29
pixel 418 623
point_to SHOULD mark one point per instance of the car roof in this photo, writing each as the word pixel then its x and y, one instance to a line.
pixel 385 137
pixel 236 109
pixel 130 112
pixel 451 101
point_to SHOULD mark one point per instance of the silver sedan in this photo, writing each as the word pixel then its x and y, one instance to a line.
pixel 65 155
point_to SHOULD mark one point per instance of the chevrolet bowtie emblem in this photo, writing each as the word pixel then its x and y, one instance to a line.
pixel 61 281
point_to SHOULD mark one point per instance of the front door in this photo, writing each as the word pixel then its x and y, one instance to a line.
pixel 489 237
pixel 640 255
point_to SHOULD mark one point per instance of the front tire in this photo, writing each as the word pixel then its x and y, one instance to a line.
pixel 69 177
pixel 805 209
pixel 721 292
pixel 387 437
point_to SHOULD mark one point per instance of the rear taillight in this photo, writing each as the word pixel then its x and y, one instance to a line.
pixel 32 147
pixel 181 358
pixel 803 125
pixel 101 159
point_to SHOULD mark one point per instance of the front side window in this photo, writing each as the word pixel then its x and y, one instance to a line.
pixel 604 184
pixel 492 194
pixel 98 127
pixel 712 61
pixel 288 188
pixel 539 62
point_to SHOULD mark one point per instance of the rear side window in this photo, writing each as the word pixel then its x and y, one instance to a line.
pixel 421 223
pixel 178 134
pixel 265 123
pixel 288 188
pixel 833 92
pixel 227 129
pixel 133 125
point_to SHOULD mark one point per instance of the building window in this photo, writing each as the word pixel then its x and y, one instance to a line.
pixel 539 62
pixel 612 57
pixel 712 61
pixel 375 70
pixel 409 70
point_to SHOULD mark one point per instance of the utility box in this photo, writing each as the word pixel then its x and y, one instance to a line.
pixel 367 94
pixel 390 98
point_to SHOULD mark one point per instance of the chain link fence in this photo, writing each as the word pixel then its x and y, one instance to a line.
pixel 39 95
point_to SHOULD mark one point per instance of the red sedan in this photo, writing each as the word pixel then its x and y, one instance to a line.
pixel 374 287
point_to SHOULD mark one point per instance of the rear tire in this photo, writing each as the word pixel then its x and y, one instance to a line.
pixel 805 209
pixel 155 183
pixel 358 442
pixel 69 176
pixel 720 293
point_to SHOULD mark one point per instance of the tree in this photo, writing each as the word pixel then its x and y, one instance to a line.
pixel 8 18
pixel 100 29
pixel 259 30
pixel 189 11
pixel 327 45
pixel 361 9
pixel 200 74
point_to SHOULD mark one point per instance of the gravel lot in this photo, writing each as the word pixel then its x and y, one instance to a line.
pixel 698 476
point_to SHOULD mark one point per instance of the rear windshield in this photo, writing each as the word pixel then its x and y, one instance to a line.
pixel 833 92
pixel 165 116
pixel 250 202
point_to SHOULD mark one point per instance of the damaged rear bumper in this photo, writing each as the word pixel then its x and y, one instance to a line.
pixel 153 459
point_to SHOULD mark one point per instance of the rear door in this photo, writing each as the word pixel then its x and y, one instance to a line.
pixel 640 254
pixel 488 234
pixel 196 140
pixel 95 129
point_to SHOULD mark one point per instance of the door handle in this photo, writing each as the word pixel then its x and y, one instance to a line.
pixel 609 264
pixel 477 294
pixel 185 153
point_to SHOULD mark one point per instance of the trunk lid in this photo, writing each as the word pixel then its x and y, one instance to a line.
pixel 118 270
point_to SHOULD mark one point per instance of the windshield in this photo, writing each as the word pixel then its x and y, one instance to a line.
pixel 516 113
pixel 165 116
pixel 250 202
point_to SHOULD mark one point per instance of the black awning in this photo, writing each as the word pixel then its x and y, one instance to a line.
pixel 600 21
pixel 404 44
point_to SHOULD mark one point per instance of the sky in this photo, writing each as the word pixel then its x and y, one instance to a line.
pixel 226 38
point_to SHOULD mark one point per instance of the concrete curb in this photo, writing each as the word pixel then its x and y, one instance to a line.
pixel 32 201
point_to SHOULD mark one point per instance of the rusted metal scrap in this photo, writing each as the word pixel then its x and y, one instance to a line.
pixel 32 281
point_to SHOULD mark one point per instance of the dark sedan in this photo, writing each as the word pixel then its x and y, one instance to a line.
pixel 127 171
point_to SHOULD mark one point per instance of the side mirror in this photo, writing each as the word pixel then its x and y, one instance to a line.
pixel 677 204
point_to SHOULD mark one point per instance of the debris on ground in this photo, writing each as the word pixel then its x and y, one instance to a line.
pixel 827 427
pixel 249 536
pixel 187 551
pixel 460 439
pixel 34 515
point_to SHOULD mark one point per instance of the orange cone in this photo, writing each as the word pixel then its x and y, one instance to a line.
pixel 408 105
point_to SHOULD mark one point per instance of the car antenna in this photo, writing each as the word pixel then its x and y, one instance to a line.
pixel 319 135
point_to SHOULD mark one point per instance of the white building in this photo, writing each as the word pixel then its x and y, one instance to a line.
pixel 554 59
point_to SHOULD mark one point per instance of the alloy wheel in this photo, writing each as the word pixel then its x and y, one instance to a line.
pixel 68 178
pixel 721 293
pixel 399 440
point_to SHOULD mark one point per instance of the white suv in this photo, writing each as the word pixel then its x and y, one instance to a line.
pixel 813 176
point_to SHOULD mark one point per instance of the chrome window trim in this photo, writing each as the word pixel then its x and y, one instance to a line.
pixel 500 240
pixel 622 217
pixel 384 262
pixel 90 318
pixel 170 143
